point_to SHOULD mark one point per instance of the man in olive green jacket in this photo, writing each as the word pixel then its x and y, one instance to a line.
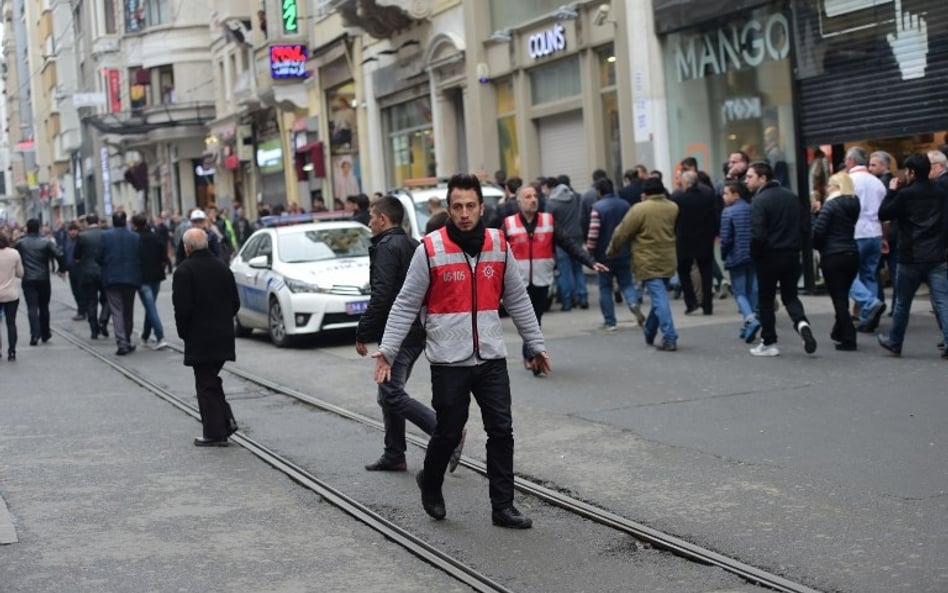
pixel 650 227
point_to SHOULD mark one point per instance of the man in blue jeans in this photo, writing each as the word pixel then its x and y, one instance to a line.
pixel 605 216
pixel 650 227
pixel 917 211
pixel 868 234
pixel 154 263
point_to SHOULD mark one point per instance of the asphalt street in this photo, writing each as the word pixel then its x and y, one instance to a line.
pixel 826 469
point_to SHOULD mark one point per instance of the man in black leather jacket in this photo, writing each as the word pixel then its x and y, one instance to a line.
pixel 779 222
pixel 918 211
pixel 390 254
pixel 37 254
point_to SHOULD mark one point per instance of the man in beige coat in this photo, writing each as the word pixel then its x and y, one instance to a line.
pixel 650 227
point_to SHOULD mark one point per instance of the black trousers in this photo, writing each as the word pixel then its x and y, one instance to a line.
pixel 839 271
pixel 95 300
pixel 773 269
pixel 688 288
pixel 451 389
pixel 217 418
pixel 37 294
pixel 75 285
pixel 9 315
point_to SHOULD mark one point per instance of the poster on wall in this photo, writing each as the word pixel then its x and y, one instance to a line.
pixel 343 136
pixel 346 178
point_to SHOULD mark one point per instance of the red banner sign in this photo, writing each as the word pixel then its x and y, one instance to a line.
pixel 114 83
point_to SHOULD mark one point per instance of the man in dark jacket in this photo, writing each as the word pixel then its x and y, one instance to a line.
pixel 778 223
pixel 918 211
pixel 390 254
pixel 88 247
pixel 121 261
pixel 205 300
pixel 154 262
pixel 564 205
pixel 695 232
pixel 37 254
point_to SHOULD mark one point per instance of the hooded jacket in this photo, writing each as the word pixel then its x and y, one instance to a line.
pixel 564 205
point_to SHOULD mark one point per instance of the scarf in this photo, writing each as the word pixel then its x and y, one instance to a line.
pixel 471 242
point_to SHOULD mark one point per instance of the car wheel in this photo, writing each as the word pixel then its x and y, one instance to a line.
pixel 277 326
pixel 239 330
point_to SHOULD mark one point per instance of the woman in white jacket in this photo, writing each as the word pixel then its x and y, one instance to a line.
pixel 11 268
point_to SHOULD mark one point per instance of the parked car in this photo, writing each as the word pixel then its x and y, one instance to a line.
pixel 415 202
pixel 300 279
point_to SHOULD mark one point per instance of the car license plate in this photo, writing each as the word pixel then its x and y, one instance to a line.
pixel 357 307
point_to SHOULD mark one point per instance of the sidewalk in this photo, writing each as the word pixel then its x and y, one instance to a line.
pixel 107 493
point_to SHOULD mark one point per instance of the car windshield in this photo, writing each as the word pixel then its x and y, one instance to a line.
pixel 324 244
pixel 421 215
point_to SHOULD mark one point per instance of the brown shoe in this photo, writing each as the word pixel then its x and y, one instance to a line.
pixel 384 464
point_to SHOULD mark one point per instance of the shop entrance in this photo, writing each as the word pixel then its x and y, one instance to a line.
pixel 562 147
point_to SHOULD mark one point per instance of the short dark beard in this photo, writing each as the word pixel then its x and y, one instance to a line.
pixel 472 241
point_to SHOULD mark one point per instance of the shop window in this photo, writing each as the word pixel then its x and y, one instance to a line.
pixel 607 66
pixel 139 80
pixel 134 16
pixel 411 141
pixel 504 13
pixel 507 127
pixel 506 101
pixel 165 76
pixel 158 12
pixel 555 81
pixel 611 136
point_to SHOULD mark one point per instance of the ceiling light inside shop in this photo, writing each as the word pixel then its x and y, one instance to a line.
pixel 611 59
pixel 732 136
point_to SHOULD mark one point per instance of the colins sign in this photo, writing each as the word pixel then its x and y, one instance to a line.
pixel 288 61
pixel 547 42
pixel 733 47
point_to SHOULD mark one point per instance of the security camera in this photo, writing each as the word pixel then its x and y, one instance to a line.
pixel 602 14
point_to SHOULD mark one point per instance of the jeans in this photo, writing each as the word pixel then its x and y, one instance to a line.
pixel 659 316
pixel 909 278
pixel 9 314
pixel 397 406
pixel 621 270
pixel 865 288
pixel 744 287
pixel 571 281
pixel 773 269
pixel 148 293
pixel 839 270
pixel 451 389
pixel 37 294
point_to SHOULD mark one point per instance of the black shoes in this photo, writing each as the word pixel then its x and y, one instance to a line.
pixel 583 305
pixel 809 342
pixel 205 442
pixel 385 464
pixel 846 347
pixel 11 356
pixel 885 343
pixel 456 454
pixel 104 330
pixel 34 341
pixel 875 316
pixel 510 517
pixel 432 503
pixel 667 346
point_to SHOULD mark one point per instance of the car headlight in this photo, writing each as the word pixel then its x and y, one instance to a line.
pixel 296 286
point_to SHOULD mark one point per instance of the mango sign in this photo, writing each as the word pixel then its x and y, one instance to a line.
pixel 288 61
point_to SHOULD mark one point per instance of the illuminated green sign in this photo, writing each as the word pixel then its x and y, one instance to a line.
pixel 290 14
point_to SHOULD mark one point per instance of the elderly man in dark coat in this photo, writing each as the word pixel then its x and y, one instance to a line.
pixel 205 301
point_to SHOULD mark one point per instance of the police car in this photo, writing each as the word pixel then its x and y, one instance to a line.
pixel 415 201
pixel 299 275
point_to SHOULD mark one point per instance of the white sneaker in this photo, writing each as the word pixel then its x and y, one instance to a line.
pixel 158 345
pixel 764 350
pixel 609 328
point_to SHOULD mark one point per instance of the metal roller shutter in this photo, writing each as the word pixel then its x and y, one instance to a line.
pixel 865 73
pixel 563 148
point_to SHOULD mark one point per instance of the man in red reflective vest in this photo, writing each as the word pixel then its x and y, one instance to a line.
pixel 459 274
pixel 532 236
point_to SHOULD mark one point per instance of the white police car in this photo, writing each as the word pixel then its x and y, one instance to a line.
pixel 297 278
pixel 415 202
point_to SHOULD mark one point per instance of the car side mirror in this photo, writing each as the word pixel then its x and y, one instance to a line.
pixel 259 262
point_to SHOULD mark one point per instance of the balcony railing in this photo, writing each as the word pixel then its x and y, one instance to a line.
pixel 153 117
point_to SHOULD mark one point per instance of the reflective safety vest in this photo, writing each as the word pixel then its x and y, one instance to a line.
pixel 535 254
pixel 463 303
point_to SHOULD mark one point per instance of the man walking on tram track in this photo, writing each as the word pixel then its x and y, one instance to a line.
pixel 390 255
pixel 94 298
pixel 205 300
pixel 460 273
pixel 121 261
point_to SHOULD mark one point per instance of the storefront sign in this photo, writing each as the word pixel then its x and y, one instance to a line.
pixel 548 42
pixel 114 85
pixel 288 61
pixel 740 109
pixel 733 47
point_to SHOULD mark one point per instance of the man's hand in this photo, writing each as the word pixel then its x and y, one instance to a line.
pixel 361 348
pixel 601 267
pixel 61 274
pixel 894 183
pixel 383 370
pixel 541 363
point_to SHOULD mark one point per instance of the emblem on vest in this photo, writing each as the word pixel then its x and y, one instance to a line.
pixel 488 271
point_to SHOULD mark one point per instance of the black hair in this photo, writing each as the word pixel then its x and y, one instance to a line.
pixel 603 186
pixel 550 182
pixel 465 181
pixel 919 164
pixel 763 169
pixel 690 162
pixel 739 188
pixel 391 208
pixel 437 220
pixel 564 180
pixel 73 226
pixel 92 218
pixel 631 174
pixel 4 240
pixel 32 226
pixel 599 174
pixel 139 221
pixel 653 187
pixel 119 219
pixel 513 184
